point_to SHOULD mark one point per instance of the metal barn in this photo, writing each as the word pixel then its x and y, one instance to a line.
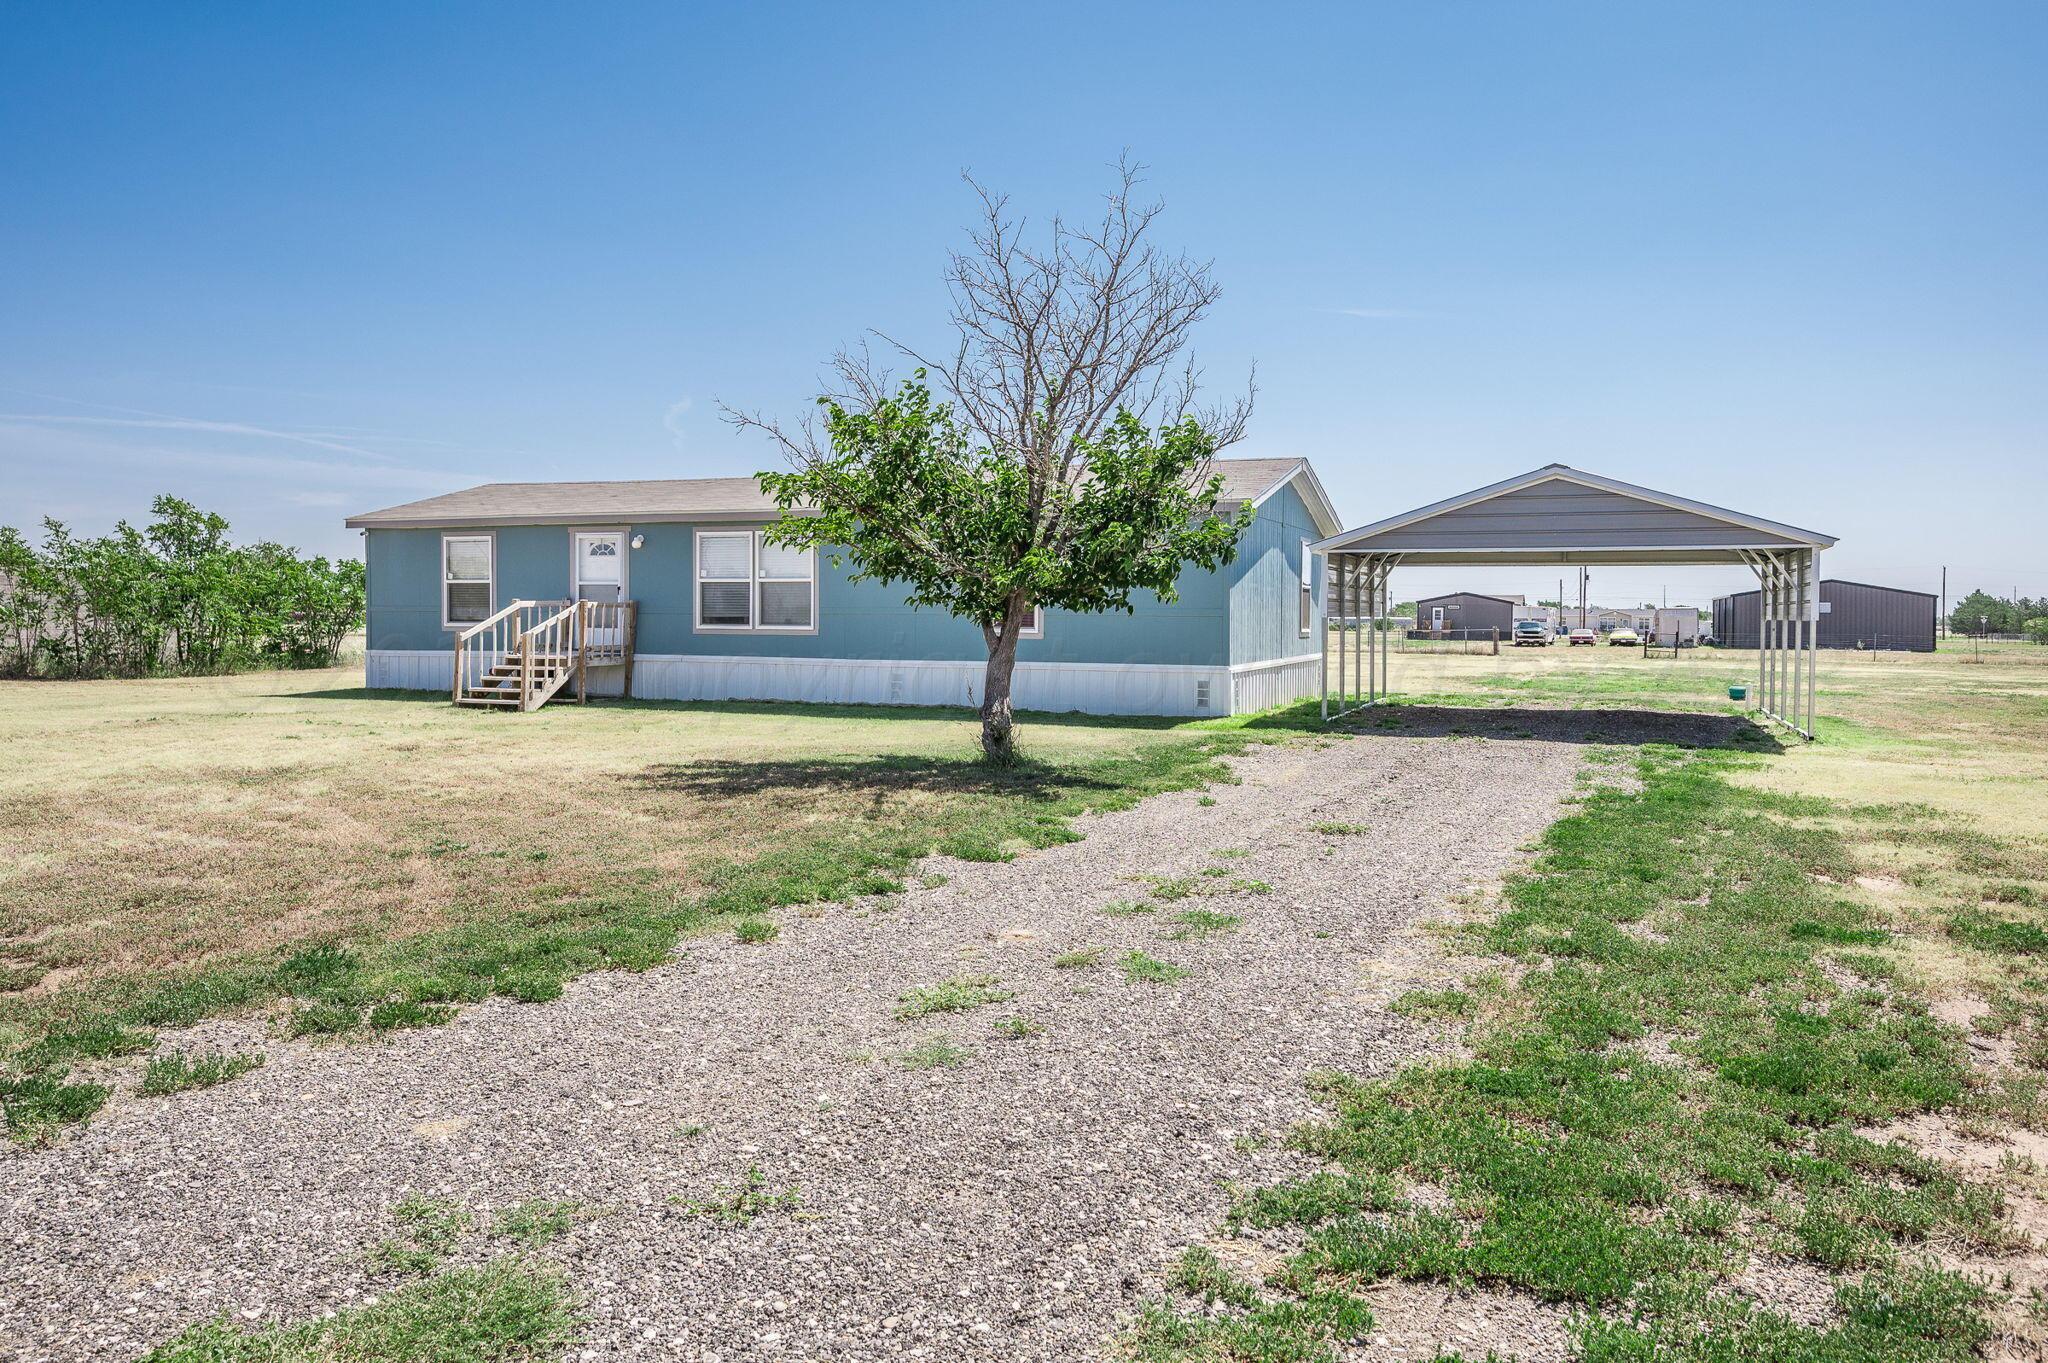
pixel 1465 611
pixel 1852 615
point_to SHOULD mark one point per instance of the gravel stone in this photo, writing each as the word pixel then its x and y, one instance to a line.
pixel 1016 1206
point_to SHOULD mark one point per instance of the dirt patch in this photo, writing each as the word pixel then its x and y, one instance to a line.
pixel 1422 1320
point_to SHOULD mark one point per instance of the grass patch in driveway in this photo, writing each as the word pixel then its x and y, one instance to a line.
pixel 937 1053
pixel 1195 923
pixel 1140 968
pixel 176 1073
pixel 742 1205
pixel 507 1311
pixel 956 995
pixel 1585 1171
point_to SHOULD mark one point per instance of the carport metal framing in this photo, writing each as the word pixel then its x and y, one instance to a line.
pixel 1560 516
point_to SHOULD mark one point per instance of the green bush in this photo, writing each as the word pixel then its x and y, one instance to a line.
pixel 172 597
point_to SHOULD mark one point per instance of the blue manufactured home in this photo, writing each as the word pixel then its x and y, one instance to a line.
pixel 684 591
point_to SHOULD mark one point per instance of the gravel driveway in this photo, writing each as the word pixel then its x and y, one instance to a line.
pixel 1017 1205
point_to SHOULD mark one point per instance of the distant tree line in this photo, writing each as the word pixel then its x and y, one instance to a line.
pixel 172 597
pixel 1982 613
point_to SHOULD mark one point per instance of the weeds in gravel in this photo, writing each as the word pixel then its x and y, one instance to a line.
pixel 176 1073
pixel 1018 1028
pixel 507 1311
pixel 1333 829
pixel 1128 908
pixel 756 930
pixel 956 995
pixel 740 1206
pixel 1586 1172
pixel 1198 923
pixel 536 1222
pixel 39 1104
pixel 1138 967
pixel 1078 960
pixel 433 1223
pixel 935 1054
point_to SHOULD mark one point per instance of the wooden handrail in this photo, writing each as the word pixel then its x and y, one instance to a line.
pixel 482 625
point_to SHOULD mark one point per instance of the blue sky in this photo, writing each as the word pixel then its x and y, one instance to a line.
pixel 298 261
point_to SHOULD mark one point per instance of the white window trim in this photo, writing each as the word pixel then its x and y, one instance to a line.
pixel 490 543
pixel 1035 628
pixel 754 581
pixel 1305 610
pixel 625 535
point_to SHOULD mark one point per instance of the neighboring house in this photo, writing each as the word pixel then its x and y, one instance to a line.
pixel 1852 615
pixel 1465 611
pixel 1545 615
pixel 722 615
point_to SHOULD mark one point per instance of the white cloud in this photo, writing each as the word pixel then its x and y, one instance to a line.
pixel 672 419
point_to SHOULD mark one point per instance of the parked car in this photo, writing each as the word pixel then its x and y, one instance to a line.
pixel 1532 632
pixel 1582 635
pixel 1624 635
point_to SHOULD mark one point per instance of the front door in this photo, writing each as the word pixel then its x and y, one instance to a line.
pixel 1436 619
pixel 600 575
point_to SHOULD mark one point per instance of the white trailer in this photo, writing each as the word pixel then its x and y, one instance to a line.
pixel 1676 625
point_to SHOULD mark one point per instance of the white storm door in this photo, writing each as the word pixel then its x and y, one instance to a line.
pixel 600 572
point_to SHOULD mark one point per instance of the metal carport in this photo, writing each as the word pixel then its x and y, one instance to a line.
pixel 1559 515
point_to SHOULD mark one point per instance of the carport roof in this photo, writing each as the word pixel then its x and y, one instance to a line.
pixel 1561 515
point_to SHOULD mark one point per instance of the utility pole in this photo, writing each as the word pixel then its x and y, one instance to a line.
pixel 1582 598
pixel 1944 601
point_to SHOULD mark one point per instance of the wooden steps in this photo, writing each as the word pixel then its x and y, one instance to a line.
pixel 523 656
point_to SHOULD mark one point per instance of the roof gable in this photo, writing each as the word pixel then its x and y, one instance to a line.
pixel 1561 510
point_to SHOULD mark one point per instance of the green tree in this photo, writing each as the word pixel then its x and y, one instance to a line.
pixel 2037 629
pixel 1980 612
pixel 1057 459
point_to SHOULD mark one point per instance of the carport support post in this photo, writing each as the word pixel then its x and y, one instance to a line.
pixel 1813 654
pixel 1802 657
pixel 1339 574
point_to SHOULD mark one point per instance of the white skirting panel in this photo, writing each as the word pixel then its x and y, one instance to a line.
pixel 1092 688
pixel 1261 686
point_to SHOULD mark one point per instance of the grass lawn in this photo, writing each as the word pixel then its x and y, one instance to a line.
pixel 1744 1007
pixel 358 861
pixel 1789 1010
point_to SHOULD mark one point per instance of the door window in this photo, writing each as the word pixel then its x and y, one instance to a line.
pixel 600 567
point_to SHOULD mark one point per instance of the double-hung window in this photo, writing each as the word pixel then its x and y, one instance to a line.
pixel 745 583
pixel 465 580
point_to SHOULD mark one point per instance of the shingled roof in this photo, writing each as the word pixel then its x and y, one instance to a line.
pixel 707 499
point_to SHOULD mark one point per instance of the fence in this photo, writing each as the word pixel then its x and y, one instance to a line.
pixel 1475 641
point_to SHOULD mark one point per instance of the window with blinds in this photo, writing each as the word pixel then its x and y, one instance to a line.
pixel 746 583
pixel 465 579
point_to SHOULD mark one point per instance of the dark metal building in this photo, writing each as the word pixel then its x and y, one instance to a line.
pixel 1852 615
pixel 1466 611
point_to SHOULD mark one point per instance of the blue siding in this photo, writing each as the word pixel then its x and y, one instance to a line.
pixel 1265 583
pixel 855 620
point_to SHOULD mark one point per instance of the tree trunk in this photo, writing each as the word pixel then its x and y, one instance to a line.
pixel 998 726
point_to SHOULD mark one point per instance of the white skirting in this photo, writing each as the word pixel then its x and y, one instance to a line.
pixel 1092 688
pixel 1261 686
